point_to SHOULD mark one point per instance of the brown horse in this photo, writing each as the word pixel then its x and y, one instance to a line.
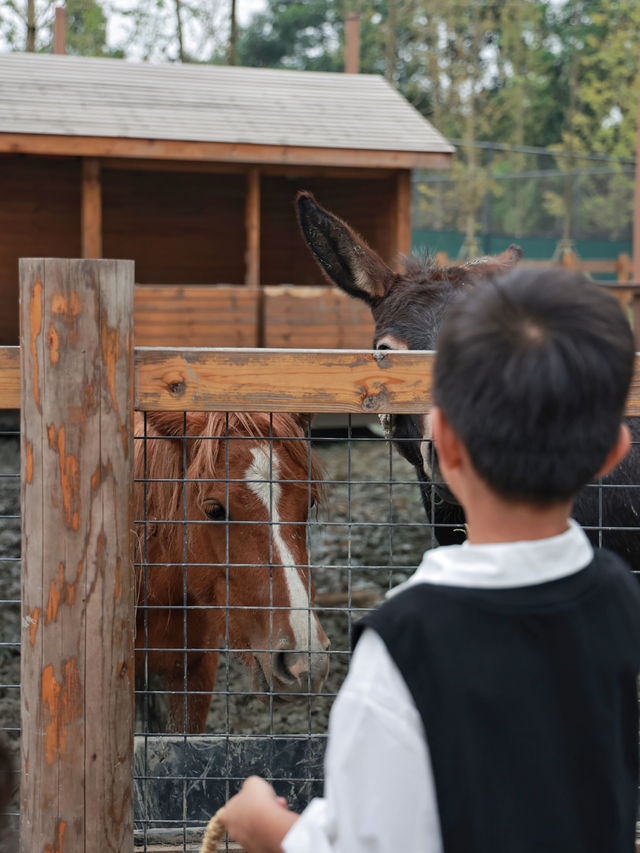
pixel 408 308
pixel 221 505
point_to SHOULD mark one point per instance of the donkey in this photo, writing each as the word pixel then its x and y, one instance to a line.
pixel 408 309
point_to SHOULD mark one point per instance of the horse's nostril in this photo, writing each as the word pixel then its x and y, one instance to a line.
pixel 281 663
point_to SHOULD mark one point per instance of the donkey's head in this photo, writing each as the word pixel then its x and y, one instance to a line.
pixel 408 307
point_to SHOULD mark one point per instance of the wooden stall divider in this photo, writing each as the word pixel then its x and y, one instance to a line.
pixel 78 619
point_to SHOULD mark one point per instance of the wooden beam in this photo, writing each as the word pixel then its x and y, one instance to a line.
pixel 9 377
pixel 403 212
pixel 91 208
pixel 252 229
pixel 280 380
pixel 78 591
pixel 211 167
pixel 228 152
pixel 254 380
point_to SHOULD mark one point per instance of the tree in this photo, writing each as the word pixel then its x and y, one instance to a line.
pixel 174 30
pixel 292 34
pixel 26 24
pixel 598 45
pixel 87 29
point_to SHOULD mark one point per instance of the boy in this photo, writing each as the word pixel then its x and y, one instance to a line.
pixel 491 705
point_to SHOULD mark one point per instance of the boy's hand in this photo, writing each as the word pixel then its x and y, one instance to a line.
pixel 257 818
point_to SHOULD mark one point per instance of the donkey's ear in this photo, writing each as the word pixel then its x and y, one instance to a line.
pixel 343 255
pixel 494 264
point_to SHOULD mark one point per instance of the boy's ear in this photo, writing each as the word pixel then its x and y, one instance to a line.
pixel 447 443
pixel 617 452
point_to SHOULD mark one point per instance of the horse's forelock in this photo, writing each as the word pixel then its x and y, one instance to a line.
pixel 160 456
pixel 297 463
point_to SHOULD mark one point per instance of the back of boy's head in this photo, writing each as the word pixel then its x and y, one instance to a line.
pixel 532 372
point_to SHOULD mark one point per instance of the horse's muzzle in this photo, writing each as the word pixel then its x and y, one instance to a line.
pixel 286 673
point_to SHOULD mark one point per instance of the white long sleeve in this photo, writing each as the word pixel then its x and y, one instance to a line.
pixel 379 791
pixel 379 787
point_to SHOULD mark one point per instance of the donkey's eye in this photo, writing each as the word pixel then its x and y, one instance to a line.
pixel 214 510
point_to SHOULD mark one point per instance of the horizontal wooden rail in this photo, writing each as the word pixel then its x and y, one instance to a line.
pixel 9 377
pixel 276 380
pixel 282 380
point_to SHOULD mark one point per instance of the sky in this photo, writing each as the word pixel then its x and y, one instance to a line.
pixel 246 8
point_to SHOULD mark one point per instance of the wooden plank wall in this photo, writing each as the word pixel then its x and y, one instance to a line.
pixel 315 317
pixel 368 205
pixel 178 227
pixel 215 316
pixel 39 217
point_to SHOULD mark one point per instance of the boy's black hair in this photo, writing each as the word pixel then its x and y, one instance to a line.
pixel 532 372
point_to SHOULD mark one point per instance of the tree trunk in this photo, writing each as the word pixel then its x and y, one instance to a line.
pixel 31 26
pixel 233 36
pixel 181 55
pixel 392 38
pixel 470 246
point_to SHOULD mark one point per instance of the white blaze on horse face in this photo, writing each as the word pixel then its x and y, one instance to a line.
pixel 262 477
pixel 426 447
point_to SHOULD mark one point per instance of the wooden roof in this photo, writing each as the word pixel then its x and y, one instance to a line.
pixel 46 99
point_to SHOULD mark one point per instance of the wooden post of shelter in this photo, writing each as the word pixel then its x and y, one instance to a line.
pixel 91 208
pixel 403 212
pixel 77 660
pixel 252 228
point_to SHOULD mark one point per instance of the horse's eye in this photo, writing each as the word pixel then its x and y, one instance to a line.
pixel 215 510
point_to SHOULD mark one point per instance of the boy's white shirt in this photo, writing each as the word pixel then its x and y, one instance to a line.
pixel 379 788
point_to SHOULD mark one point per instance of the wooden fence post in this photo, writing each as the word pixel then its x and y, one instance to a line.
pixel 77 580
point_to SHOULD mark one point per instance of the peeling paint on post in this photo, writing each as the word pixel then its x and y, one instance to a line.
pixel 77 578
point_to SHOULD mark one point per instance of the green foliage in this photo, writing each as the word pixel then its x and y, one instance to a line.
pixel 290 34
pixel 87 29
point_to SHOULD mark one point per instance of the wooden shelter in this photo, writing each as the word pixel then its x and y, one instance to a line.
pixel 191 171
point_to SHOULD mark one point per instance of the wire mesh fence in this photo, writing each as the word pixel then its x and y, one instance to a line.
pixel 256 543
pixel 10 609
pixel 364 530
pixel 526 195
pixel 338 529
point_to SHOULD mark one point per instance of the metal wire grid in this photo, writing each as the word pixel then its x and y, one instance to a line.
pixel 369 535
pixel 10 608
pixel 355 556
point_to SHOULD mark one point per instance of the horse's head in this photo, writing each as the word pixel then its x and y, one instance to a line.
pixel 251 481
pixel 408 307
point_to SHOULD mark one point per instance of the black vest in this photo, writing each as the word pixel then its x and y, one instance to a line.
pixel 529 702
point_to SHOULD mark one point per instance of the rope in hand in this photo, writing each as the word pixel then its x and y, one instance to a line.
pixel 213 833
